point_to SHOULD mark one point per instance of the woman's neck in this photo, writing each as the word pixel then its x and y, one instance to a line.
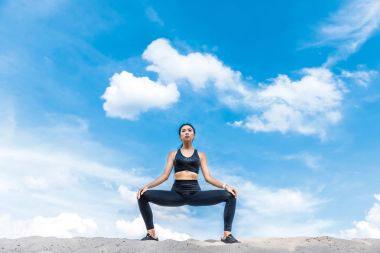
pixel 187 145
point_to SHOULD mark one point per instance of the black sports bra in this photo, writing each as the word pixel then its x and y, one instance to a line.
pixel 182 162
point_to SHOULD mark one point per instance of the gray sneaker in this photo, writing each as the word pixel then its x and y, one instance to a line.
pixel 148 237
pixel 230 239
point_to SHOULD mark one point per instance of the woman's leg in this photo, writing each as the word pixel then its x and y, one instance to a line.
pixel 212 197
pixel 159 197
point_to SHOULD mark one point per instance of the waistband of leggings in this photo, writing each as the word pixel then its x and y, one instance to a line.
pixel 186 181
pixel 189 180
pixel 186 185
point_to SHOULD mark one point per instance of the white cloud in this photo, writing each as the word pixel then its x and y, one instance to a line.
pixel 153 16
pixel 8 121
pixel 38 183
pixel 128 95
pixel 311 161
pixel 198 69
pixel 369 227
pixel 47 182
pixel 350 27
pixel 133 228
pixel 166 233
pixel 181 214
pixel 361 77
pixel 129 228
pixel 5 185
pixel 53 175
pixel 44 174
pixel 127 194
pixel 286 228
pixel 307 106
pixel 268 211
pixel 60 168
pixel 276 202
pixel 63 225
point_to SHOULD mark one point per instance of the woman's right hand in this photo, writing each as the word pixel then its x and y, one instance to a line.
pixel 141 191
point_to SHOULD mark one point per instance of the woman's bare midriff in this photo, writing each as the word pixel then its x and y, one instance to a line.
pixel 186 175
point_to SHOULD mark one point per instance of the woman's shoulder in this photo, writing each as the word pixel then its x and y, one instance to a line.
pixel 173 152
pixel 201 153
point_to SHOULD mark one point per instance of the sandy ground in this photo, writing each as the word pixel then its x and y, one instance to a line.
pixel 323 244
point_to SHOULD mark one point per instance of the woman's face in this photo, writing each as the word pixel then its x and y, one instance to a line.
pixel 187 133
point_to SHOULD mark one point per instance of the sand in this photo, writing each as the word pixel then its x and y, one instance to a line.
pixel 322 244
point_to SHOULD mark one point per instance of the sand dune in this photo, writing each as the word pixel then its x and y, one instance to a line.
pixel 322 244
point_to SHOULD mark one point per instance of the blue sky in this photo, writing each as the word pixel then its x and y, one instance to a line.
pixel 284 96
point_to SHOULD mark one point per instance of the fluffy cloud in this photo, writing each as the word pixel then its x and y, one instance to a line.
pixel 267 211
pixel 55 170
pixel 129 228
pixel 307 106
pixel 44 174
pixel 133 228
pixel 370 226
pixel 181 214
pixel 196 68
pixel 128 95
pixel 275 202
pixel 63 225
pixel 48 182
pixel 127 194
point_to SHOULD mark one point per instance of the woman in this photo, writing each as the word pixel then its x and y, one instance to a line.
pixel 186 190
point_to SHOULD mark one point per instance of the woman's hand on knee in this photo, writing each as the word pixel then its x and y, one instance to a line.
pixel 232 190
pixel 141 191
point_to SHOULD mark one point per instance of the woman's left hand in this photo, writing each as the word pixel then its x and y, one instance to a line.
pixel 232 190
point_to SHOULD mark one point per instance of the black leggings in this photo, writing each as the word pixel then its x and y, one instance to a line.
pixel 187 192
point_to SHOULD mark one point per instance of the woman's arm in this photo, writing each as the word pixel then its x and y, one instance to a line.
pixel 210 179
pixel 206 172
pixel 165 174
pixel 162 178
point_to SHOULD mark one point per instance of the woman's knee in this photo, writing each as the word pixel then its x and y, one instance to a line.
pixel 229 196
pixel 145 196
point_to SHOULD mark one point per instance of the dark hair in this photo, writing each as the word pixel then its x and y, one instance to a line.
pixel 185 124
